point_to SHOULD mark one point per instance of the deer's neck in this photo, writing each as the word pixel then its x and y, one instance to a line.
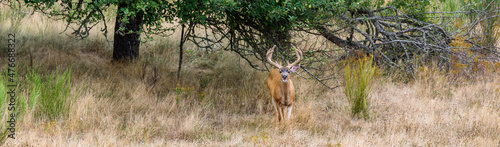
pixel 285 91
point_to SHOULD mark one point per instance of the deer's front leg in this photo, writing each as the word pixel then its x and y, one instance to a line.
pixel 277 110
pixel 289 111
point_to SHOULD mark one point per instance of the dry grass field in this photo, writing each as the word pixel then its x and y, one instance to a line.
pixel 221 101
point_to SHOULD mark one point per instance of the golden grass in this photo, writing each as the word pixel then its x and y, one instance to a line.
pixel 115 106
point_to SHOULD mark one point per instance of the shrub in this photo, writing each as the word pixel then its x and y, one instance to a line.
pixel 358 84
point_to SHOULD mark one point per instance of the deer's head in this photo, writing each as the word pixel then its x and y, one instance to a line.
pixel 285 70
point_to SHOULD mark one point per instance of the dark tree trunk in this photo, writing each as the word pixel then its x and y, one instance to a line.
pixel 126 43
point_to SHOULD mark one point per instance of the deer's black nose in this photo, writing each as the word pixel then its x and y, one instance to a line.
pixel 285 76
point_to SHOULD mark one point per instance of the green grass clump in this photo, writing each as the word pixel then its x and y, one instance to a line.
pixel 49 94
pixel 3 127
pixel 3 91
pixel 358 84
pixel 4 104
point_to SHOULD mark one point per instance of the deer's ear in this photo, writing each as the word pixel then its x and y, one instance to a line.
pixel 295 68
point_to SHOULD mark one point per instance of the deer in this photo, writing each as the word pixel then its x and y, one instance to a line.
pixel 281 87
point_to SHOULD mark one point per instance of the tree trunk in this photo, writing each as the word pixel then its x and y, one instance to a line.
pixel 126 43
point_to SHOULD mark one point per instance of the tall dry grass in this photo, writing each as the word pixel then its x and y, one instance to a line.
pixel 220 101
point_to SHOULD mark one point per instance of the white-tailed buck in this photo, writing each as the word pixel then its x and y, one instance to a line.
pixel 281 87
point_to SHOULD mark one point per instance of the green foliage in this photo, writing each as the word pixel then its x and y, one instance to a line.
pixel 281 14
pixel 253 26
pixel 86 14
pixel 450 5
pixel 358 80
pixel 49 94
pixel 156 12
pixel 413 8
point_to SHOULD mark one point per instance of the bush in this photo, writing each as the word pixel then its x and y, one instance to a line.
pixel 358 84
pixel 49 94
